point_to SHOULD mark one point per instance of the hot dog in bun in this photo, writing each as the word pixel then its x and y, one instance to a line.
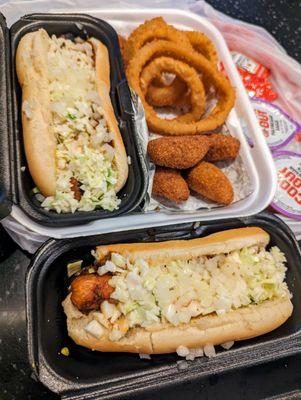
pixel 156 297
pixel 73 146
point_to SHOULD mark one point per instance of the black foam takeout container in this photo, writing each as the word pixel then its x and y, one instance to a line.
pixel 133 192
pixel 5 123
pixel 87 374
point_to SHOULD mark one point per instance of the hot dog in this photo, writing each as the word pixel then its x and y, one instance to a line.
pixel 73 145
pixel 207 291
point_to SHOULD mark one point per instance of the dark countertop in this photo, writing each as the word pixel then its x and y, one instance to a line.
pixel 282 18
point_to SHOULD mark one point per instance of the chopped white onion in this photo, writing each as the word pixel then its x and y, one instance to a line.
pixel 133 280
pixel 115 316
pixel 209 350
pixel 73 268
pixel 182 351
pixel 227 345
pixel 95 329
pixel 190 354
pixel 115 335
pixel 198 352
pixel 118 260
pixel 108 309
pixel 80 126
pixel 107 267
pixel 145 356
pixel 26 109
pixel 184 289
pixel 101 319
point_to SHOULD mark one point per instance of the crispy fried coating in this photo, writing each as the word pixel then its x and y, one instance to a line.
pixel 88 291
pixel 160 94
pixel 160 65
pixel 209 181
pixel 170 184
pixel 210 75
pixel 179 152
pixel 222 147
pixel 202 44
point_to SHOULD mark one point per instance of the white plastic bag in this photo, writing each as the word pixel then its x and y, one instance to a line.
pixel 258 44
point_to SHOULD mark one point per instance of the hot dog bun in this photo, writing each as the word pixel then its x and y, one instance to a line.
pixel 242 323
pixel 220 242
pixel 37 121
pixel 38 136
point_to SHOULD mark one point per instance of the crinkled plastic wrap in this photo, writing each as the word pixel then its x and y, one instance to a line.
pixel 24 237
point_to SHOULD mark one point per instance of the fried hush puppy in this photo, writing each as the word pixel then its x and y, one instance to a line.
pixel 180 152
pixel 170 184
pixel 210 182
pixel 222 147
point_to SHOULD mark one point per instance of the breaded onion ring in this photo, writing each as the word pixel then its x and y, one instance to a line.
pixel 154 29
pixel 166 64
pixel 160 95
pixel 202 44
pixel 150 30
pixel 225 92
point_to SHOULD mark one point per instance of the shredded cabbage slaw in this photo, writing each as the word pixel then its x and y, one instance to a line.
pixel 180 290
pixel 84 149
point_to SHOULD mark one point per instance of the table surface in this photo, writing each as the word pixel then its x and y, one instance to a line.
pixel 282 18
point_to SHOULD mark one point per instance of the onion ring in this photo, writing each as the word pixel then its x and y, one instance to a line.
pixel 225 93
pixel 156 28
pixel 202 44
pixel 160 95
pixel 150 30
pixel 182 70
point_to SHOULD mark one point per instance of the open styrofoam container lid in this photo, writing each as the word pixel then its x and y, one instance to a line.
pixel 258 160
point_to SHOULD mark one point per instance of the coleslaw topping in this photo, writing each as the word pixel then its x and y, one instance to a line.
pixel 84 148
pixel 179 290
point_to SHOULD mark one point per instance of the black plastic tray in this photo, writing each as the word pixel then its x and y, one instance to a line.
pixel 5 151
pixel 134 190
pixel 106 375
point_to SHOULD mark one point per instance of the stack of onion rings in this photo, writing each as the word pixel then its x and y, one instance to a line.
pixel 159 94
pixel 182 70
pixel 155 49
pixel 202 44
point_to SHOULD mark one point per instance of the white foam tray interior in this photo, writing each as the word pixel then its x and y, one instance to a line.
pixel 258 160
